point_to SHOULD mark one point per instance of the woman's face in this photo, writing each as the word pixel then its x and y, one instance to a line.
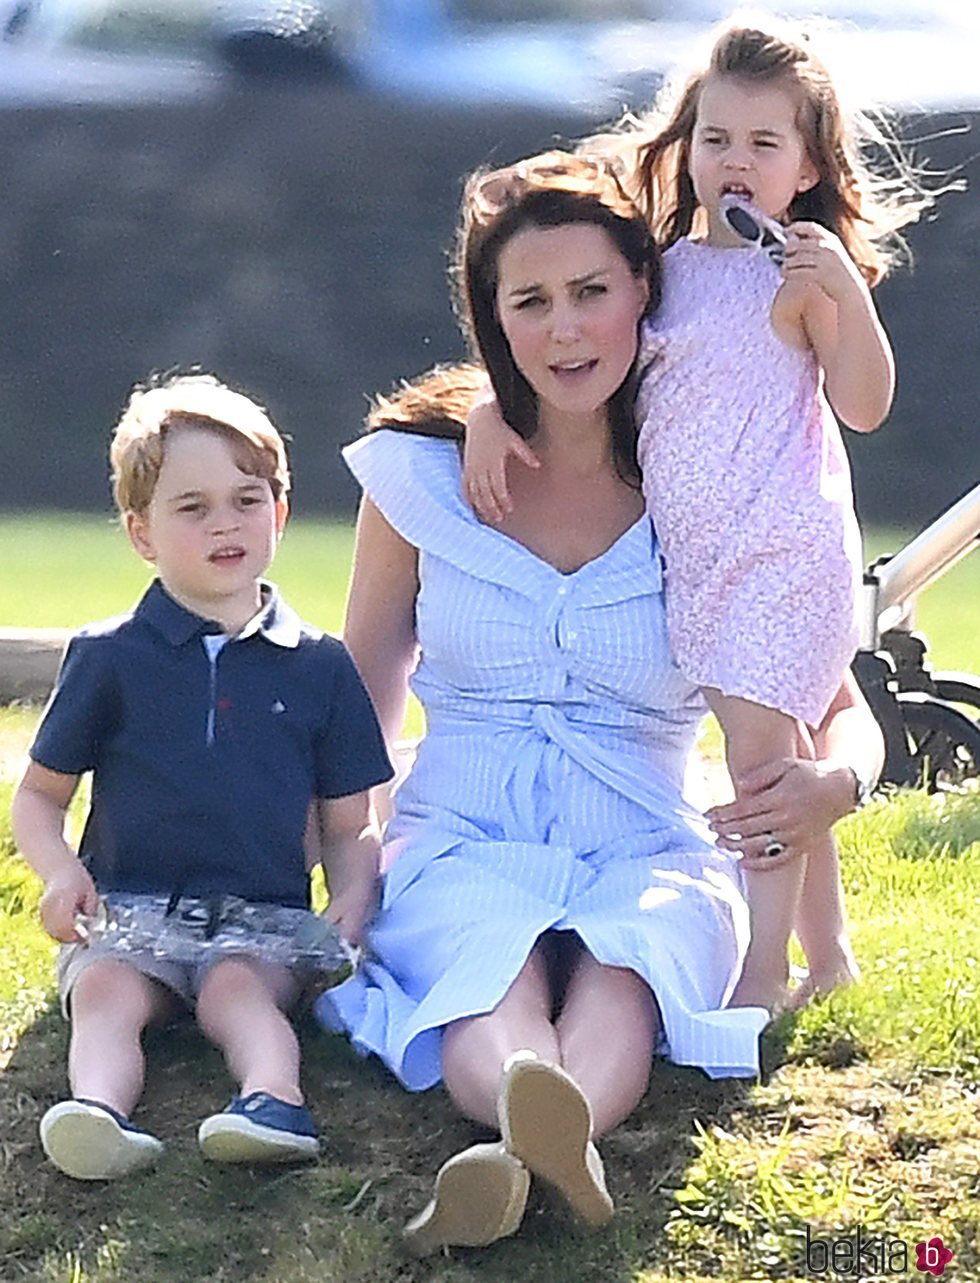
pixel 569 307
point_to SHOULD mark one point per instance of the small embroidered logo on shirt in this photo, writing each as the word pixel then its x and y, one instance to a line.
pixel 279 706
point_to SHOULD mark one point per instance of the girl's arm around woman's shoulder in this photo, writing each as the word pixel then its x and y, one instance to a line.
pixel 379 626
pixel 839 321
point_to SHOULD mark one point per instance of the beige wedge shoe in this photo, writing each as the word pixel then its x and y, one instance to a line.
pixel 546 1122
pixel 480 1196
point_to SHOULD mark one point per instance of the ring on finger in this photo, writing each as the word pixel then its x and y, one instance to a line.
pixel 773 846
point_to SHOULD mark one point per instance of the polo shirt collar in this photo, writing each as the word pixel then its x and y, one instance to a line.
pixel 276 621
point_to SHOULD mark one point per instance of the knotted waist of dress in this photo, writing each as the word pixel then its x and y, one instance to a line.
pixel 641 781
pixel 677 824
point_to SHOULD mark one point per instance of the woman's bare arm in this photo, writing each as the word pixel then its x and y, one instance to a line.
pixel 379 626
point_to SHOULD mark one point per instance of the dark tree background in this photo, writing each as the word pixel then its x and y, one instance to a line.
pixel 294 240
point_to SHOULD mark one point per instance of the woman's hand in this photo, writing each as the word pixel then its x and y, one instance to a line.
pixel 791 802
pixel 488 445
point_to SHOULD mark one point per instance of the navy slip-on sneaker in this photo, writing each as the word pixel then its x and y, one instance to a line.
pixel 259 1128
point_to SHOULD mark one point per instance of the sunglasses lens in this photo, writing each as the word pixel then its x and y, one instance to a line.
pixel 742 223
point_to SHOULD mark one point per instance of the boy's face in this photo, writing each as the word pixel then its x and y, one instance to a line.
pixel 211 529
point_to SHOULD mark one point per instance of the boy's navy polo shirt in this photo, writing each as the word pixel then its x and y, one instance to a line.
pixel 203 771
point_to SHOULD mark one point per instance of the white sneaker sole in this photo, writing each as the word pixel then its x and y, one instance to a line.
pixel 480 1196
pixel 230 1138
pixel 85 1142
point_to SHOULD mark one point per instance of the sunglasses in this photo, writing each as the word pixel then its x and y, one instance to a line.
pixel 741 217
pixel 496 191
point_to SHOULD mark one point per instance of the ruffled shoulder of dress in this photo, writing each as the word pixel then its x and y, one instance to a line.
pixel 415 481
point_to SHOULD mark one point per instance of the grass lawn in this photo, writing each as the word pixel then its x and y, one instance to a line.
pixel 866 1120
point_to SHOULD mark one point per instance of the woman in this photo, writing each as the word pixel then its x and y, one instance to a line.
pixel 552 909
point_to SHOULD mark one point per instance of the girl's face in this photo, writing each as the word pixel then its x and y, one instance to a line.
pixel 569 307
pixel 746 140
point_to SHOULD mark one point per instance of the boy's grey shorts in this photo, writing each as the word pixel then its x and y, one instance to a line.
pixel 183 979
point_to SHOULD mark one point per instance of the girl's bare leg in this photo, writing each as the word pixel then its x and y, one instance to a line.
pixel 606 1033
pixel 111 1004
pixel 755 735
pixel 474 1049
pixel 821 923
pixel 241 1009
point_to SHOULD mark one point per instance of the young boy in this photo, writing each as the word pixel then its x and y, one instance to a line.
pixel 228 741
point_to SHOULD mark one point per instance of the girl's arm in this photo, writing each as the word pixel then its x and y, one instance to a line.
pixel 488 444
pixel 841 325
pixel 350 854
pixel 379 627
pixel 38 814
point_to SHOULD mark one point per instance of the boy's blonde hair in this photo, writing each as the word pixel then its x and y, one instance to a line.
pixel 170 402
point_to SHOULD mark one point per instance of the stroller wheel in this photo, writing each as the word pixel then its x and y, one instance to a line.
pixel 944 743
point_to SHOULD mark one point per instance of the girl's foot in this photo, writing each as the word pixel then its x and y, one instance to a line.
pixel 547 1123
pixel 92 1142
pixel 823 977
pixel 480 1196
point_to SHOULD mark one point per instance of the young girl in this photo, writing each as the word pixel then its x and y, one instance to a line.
pixel 744 470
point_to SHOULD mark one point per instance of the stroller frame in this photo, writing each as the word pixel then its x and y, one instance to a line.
pixel 930 720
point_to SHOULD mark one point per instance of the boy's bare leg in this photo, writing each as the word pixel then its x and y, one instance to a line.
pixel 111 1004
pixel 755 735
pixel 241 1008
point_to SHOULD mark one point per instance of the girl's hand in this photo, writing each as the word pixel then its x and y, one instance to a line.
pixel 65 896
pixel 489 443
pixel 790 801
pixel 815 256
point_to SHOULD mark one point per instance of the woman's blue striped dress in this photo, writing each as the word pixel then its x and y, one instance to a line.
pixel 546 794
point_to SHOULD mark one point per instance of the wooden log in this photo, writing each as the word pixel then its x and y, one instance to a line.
pixel 29 661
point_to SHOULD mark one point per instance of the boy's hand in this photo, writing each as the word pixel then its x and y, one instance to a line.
pixel 815 256
pixel 351 908
pixel 489 443
pixel 65 896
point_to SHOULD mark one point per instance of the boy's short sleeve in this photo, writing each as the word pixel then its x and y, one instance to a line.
pixel 351 754
pixel 80 710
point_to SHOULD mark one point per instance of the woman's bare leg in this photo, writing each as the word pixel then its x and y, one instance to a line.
pixel 606 1032
pixel 474 1049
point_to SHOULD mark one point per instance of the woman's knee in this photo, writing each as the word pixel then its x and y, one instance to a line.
pixel 600 996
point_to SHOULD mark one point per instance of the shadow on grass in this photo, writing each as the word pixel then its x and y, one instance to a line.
pixel 338 1218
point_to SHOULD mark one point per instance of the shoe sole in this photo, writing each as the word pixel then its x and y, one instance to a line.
pixel 226 1138
pixel 480 1197
pixel 546 1122
pixel 88 1145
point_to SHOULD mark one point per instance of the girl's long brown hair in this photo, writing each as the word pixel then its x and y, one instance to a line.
pixel 865 207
